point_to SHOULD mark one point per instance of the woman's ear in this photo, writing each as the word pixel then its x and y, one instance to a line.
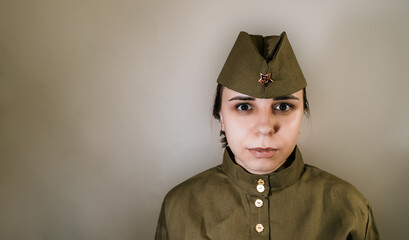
pixel 221 121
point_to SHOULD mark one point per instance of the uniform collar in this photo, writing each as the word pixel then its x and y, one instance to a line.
pixel 248 182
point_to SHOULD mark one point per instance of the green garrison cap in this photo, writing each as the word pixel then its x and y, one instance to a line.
pixel 262 67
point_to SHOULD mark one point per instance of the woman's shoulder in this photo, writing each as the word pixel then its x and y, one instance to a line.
pixel 198 184
pixel 332 187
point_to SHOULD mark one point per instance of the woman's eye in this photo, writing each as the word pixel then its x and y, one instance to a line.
pixel 243 107
pixel 283 107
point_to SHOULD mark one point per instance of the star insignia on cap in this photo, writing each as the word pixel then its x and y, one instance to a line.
pixel 265 78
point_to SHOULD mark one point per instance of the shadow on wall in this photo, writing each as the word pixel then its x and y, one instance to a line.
pixel 365 113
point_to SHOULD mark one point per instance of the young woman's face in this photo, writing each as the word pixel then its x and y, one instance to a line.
pixel 261 133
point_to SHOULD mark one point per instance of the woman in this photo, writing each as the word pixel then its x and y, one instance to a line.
pixel 263 189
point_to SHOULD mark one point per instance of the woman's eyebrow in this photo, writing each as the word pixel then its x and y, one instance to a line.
pixel 242 98
pixel 286 97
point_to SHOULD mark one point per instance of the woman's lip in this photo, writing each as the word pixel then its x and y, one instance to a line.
pixel 264 149
pixel 263 152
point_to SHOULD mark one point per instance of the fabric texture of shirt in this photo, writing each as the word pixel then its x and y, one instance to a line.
pixel 298 202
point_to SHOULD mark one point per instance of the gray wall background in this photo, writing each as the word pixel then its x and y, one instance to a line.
pixel 106 105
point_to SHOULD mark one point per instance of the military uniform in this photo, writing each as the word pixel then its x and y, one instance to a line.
pixel 298 202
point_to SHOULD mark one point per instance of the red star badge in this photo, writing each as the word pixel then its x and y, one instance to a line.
pixel 265 78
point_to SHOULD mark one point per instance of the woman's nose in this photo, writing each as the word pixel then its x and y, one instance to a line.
pixel 267 123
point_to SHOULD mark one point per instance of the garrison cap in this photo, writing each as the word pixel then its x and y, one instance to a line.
pixel 262 67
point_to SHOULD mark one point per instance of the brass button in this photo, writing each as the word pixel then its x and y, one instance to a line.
pixel 260 188
pixel 258 203
pixel 259 228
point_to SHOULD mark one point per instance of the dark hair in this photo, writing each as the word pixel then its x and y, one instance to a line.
pixel 217 105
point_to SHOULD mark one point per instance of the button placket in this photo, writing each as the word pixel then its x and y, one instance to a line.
pixel 259 210
pixel 260 214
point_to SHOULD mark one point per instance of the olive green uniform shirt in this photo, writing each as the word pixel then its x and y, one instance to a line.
pixel 298 202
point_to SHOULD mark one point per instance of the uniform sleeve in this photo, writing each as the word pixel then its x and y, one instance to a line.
pixel 371 230
pixel 161 229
